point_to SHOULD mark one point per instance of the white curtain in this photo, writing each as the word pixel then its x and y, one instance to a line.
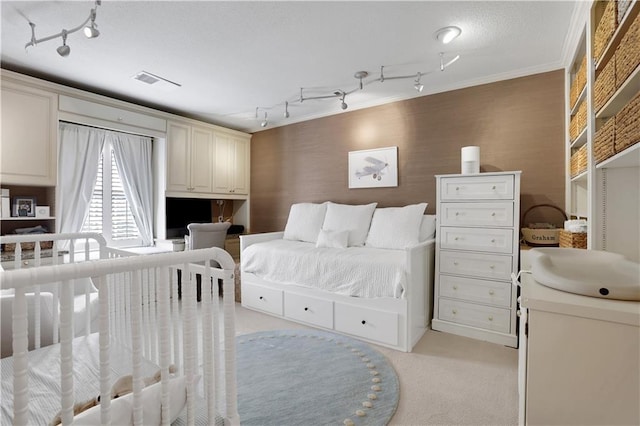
pixel 133 160
pixel 78 159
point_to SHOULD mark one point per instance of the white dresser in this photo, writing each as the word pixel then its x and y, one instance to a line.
pixel 476 252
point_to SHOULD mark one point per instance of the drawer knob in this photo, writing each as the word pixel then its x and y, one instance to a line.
pixel 454 311
pixel 490 318
pixel 493 213
pixel 457 188
pixel 456 238
pixel 261 298
pixel 492 266
pixel 306 309
pixel 455 262
pixel 457 213
pixel 491 292
pixel 363 322
pixel 455 287
pixel 493 240
pixel 493 187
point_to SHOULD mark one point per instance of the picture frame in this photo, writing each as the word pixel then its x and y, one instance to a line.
pixel 373 168
pixel 24 207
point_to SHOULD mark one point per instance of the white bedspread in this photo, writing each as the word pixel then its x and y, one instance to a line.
pixel 354 271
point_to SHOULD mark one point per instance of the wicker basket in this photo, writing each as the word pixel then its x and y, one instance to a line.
pixel 578 121
pixel 573 239
pixel 579 81
pixel 603 145
pixel 44 245
pixel 605 85
pixel 544 237
pixel 578 161
pixel 606 28
pixel 628 53
pixel 628 125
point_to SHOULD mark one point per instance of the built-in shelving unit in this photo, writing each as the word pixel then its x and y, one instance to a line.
pixel 606 191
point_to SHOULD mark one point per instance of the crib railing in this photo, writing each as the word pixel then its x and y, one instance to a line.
pixel 136 293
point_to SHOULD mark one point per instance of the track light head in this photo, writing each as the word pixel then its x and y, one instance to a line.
pixel 265 121
pixel 447 34
pixel 286 109
pixel 344 105
pixel 90 30
pixel 418 86
pixel 64 50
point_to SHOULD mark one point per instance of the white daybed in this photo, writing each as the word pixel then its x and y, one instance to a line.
pixel 356 270
pixel 143 329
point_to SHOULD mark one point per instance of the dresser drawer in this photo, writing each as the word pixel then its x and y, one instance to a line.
pixel 262 298
pixel 495 293
pixel 309 309
pixel 496 187
pixel 492 266
pixel 371 324
pixel 494 240
pixel 498 213
pixel 486 317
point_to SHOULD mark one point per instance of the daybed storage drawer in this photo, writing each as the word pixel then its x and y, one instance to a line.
pixel 498 187
pixel 309 309
pixel 486 317
pixel 492 266
pixel 484 291
pixel 476 214
pixel 368 323
pixel 263 298
pixel 478 239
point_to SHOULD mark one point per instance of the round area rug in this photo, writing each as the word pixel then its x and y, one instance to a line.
pixel 309 377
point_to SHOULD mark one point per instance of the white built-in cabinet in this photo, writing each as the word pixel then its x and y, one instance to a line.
pixel 476 252
pixel 603 188
pixel 204 161
pixel 29 136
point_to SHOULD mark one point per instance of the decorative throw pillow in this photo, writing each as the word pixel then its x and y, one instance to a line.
pixel 428 227
pixel 355 219
pixel 396 227
pixel 333 239
pixel 122 408
pixel 305 222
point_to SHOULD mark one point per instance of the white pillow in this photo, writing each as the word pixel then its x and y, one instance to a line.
pixel 428 227
pixel 396 227
pixel 122 408
pixel 355 219
pixel 305 222
pixel 333 239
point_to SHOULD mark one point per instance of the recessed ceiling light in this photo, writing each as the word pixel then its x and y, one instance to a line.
pixel 447 34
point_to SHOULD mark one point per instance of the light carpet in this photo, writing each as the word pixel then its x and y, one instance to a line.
pixel 310 377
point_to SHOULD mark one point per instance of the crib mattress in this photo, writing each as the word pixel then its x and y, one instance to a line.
pixel 354 271
pixel 44 379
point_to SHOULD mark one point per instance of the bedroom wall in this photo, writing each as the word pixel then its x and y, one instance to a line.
pixel 518 124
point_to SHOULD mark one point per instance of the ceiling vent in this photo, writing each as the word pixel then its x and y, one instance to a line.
pixel 156 81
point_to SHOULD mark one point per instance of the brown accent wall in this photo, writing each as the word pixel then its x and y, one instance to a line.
pixel 518 124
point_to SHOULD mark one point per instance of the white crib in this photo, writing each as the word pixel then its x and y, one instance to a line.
pixel 140 319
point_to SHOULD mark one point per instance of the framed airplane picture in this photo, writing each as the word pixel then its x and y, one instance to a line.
pixel 373 168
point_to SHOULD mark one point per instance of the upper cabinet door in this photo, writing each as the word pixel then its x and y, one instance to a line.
pixel 223 164
pixel 28 149
pixel 201 159
pixel 178 157
pixel 242 163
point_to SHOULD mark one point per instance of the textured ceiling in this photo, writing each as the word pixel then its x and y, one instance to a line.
pixel 231 57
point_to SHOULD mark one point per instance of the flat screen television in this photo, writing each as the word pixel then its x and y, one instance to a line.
pixel 183 211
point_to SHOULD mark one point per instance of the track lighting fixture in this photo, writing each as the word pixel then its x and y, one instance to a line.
pixel 418 86
pixel 444 35
pixel 64 50
pixel 91 31
pixel 447 34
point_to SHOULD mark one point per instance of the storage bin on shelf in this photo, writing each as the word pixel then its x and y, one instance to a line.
pixel 628 53
pixel 578 161
pixel 628 125
pixel 579 81
pixel 44 245
pixel 573 239
pixel 605 29
pixel 578 121
pixel 603 144
pixel 605 84
pixel 547 235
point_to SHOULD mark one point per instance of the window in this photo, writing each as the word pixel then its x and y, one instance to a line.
pixel 109 212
